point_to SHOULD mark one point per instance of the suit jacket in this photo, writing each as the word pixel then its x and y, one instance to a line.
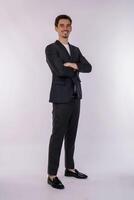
pixel 65 79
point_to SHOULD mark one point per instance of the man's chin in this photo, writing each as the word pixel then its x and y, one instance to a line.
pixel 65 36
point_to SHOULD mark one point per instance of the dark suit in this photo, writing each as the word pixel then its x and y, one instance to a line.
pixel 65 94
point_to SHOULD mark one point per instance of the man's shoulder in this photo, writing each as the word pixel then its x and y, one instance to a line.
pixel 74 46
pixel 50 45
pixel 50 48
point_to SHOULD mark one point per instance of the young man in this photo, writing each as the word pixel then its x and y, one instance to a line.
pixel 65 62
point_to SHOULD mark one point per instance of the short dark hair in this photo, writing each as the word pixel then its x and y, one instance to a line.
pixel 57 19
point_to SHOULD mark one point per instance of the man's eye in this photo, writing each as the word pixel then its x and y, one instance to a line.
pixel 61 25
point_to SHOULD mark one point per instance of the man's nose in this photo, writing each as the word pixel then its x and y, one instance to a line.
pixel 65 28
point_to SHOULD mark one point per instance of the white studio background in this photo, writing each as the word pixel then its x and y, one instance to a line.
pixel 104 31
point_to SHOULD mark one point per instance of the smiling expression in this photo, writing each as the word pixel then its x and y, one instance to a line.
pixel 64 28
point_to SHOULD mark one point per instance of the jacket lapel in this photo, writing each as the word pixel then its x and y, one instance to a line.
pixel 64 49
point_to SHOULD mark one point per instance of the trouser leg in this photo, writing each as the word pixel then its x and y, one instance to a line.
pixel 61 114
pixel 70 135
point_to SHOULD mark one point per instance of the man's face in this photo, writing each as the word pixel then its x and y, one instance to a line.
pixel 64 28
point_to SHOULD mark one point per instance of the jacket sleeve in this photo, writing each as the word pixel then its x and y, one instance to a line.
pixel 83 64
pixel 55 63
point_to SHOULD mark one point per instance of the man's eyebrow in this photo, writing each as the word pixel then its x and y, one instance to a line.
pixel 66 24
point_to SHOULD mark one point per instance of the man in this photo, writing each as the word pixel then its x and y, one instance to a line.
pixel 65 62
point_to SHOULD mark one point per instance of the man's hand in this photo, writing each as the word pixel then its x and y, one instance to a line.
pixel 72 65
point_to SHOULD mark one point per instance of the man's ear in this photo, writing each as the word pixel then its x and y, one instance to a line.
pixel 56 28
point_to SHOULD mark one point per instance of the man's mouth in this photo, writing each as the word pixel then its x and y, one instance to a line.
pixel 65 31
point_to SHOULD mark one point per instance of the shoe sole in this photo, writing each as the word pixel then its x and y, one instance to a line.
pixel 76 176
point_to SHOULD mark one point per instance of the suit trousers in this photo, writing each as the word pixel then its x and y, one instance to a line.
pixel 65 117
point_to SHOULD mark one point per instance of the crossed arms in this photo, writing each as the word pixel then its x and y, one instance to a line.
pixel 67 69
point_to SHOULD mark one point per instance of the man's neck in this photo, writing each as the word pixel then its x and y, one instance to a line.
pixel 63 40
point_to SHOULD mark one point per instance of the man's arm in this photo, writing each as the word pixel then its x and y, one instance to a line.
pixel 56 65
pixel 82 66
pixel 72 65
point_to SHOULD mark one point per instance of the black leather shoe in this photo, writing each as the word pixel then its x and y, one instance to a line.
pixel 55 183
pixel 75 174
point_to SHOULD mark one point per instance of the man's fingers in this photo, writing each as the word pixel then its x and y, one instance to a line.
pixel 67 64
